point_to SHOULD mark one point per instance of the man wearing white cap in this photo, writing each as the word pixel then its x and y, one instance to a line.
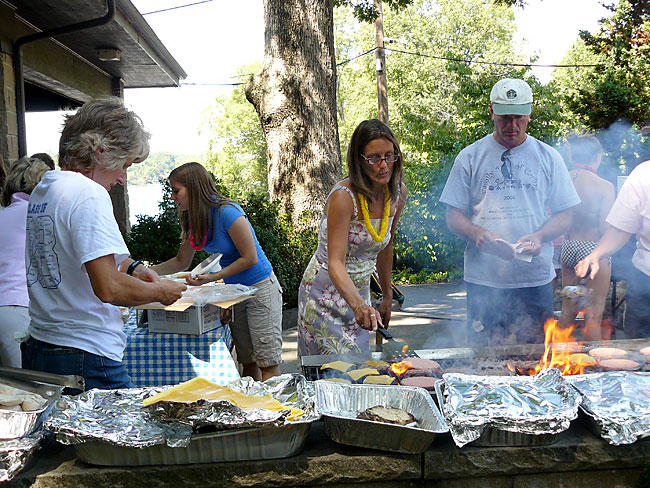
pixel 496 195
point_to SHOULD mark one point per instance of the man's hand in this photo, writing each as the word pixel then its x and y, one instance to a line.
pixel 529 244
pixel 170 291
pixel 590 262
pixel 147 274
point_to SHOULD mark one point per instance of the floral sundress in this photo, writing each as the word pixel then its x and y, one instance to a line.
pixel 326 323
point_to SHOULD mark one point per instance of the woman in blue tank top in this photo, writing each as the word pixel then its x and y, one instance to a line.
pixel 213 223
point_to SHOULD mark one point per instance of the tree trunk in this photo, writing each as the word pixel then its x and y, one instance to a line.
pixel 295 98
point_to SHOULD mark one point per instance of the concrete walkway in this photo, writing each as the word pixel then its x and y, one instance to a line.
pixel 432 316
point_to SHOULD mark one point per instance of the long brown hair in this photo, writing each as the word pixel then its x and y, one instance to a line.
pixel 203 195
pixel 368 131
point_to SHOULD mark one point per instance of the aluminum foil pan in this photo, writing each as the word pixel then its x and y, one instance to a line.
pixel 525 406
pixel 117 416
pixel 234 445
pixel 15 454
pixel 341 403
pixel 618 402
pixel 19 424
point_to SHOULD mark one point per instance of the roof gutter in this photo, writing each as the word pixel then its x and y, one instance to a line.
pixel 18 64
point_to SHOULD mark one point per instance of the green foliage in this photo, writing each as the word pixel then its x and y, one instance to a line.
pixel 288 245
pixel 615 94
pixel 237 153
pixel 364 10
pixel 619 87
pixel 157 166
pixel 407 276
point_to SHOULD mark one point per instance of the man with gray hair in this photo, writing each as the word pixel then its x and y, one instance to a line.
pixel 497 196
pixel 74 248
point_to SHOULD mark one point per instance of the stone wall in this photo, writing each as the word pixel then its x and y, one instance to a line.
pixel 8 122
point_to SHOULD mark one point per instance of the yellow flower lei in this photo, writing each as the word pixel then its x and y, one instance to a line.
pixel 384 220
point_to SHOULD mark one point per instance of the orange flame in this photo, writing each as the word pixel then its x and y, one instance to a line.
pixel 400 368
pixel 405 348
pixel 558 355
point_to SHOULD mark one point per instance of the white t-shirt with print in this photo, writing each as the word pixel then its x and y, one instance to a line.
pixel 70 222
pixel 508 192
pixel 631 213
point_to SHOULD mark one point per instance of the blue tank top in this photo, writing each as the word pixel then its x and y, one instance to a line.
pixel 219 241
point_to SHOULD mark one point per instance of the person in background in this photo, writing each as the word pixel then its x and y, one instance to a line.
pixel 74 248
pixel 355 235
pixel 22 176
pixel 213 223
pixel 587 227
pixel 629 215
pixel 46 158
pixel 497 196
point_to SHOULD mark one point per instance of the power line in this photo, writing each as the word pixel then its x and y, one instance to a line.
pixel 370 51
pixel 177 7
pixel 211 84
pixel 532 65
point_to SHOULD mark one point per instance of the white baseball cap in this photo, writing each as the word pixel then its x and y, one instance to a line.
pixel 511 97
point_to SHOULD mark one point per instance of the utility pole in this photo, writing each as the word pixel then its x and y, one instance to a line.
pixel 380 64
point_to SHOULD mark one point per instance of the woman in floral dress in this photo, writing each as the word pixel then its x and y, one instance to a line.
pixel 355 235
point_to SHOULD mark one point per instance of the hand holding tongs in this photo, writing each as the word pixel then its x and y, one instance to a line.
pixel 576 292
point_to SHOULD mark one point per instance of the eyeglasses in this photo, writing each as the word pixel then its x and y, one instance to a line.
pixel 506 166
pixel 375 160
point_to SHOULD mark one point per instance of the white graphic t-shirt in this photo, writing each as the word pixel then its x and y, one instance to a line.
pixel 70 222
pixel 508 192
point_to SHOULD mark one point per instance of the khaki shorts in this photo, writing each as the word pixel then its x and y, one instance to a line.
pixel 257 326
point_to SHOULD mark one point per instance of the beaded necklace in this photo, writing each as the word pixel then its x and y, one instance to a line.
pixel 384 220
pixel 193 242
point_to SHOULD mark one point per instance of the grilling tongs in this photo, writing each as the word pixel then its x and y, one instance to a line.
pixel 392 349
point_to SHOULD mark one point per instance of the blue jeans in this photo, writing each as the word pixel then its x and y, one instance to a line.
pixel 98 371
pixel 637 310
pixel 495 315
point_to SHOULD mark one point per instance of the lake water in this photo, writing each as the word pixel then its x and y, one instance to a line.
pixel 144 200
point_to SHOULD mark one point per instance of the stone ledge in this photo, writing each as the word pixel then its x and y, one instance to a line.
pixel 575 450
pixel 322 462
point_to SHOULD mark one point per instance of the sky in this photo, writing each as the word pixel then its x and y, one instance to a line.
pixel 211 40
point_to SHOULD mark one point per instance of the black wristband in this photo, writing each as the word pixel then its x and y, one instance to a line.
pixel 132 267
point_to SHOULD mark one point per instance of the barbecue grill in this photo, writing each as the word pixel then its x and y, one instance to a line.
pixel 492 360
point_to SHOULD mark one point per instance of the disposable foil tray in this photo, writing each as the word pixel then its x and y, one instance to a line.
pixel 341 403
pixel 236 445
pixel 507 411
pixel 17 454
pixel 616 404
pixel 19 424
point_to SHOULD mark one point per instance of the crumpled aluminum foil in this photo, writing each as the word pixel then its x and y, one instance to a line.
pixel 540 404
pixel 619 403
pixel 118 417
pixel 15 454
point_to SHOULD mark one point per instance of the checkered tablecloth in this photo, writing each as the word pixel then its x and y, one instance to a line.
pixel 154 359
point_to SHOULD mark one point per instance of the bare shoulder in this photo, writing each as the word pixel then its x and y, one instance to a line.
pixel 603 186
pixel 340 201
